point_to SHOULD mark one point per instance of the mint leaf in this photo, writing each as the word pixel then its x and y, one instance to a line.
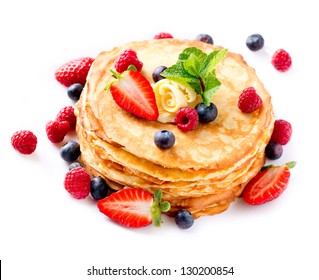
pixel 196 68
pixel 212 60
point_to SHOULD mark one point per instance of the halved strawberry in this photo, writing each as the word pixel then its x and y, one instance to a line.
pixel 267 184
pixel 134 207
pixel 134 93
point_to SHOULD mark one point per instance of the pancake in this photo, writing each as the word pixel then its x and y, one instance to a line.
pixel 208 167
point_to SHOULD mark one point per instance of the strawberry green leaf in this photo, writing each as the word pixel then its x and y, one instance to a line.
pixel 165 206
pixel 158 207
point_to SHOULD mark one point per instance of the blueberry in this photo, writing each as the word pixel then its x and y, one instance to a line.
pixel 157 73
pixel 164 139
pixel 99 188
pixel 206 113
pixel 74 91
pixel 74 164
pixel 273 150
pixel 205 38
pixel 70 151
pixel 184 219
pixel 255 42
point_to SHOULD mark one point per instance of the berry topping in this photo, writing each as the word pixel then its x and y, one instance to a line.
pixel 70 151
pixel 163 35
pixel 56 130
pixel 74 91
pixel 164 139
pixel 249 100
pixel 134 93
pixel 134 207
pixel 205 38
pixel 267 184
pixel 273 150
pixel 184 219
pixel 157 73
pixel 206 113
pixel 74 71
pixel 67 114
pixel 255 42
pixel 281 60
pixel 186 119
pixel 127 58
pixel 99 188
pixel 282 132
pixel 24 141
pixel 77 182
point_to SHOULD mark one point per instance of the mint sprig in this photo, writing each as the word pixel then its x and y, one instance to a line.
pixel 196 68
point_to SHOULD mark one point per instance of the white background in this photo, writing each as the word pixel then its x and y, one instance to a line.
pixel 45 234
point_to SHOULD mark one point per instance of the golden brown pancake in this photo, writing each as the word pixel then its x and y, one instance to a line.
pixel 208 167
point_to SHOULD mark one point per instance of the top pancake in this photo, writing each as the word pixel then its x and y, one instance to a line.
pixel 217 145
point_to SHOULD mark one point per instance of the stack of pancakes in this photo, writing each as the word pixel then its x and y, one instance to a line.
pixel 208 167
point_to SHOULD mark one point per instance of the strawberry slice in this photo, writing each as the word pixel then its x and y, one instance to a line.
pixel 267 184
pixel 134 207
pixel 134 93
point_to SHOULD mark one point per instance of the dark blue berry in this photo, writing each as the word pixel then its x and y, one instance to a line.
pixel 99 188
pixel 157 73
pixel 255 42
pixel 70 151
pixel 164 139
pixel 74 164
pixel 184 219
pixel 205 38
pixel 206 113
pixel 74 91
pixel 273 150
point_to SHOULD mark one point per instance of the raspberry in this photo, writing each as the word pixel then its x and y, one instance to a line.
pixel 281 60
pixel 163 35
pixel 56 130
pixel 24 141
pixel 186 119
pixel 282 132
pixel 249 100
pixel 77 182
pixel 127 58
pixel 67 114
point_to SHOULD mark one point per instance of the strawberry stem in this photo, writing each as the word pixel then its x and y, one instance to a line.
pixel 158 207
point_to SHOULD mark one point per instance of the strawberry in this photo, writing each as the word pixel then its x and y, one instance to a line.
pixel 134 93
pixel 74 71
pixel 268 184
pixel 134 207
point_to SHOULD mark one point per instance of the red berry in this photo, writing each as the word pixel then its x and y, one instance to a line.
pixel 67 114
pixel 74 71
pixel 24 141
pixel 56 130
pixel 77 182
pixel 281 60
pixel 127 58
pixel 282 132
pixel 186 119
pixel 267 185
pixel 249 100
pixel 163 35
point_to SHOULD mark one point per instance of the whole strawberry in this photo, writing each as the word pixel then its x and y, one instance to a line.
pixel 74 71
pixel 56 130
pixel 127 58
pixel 281 60
pixel 24 141
pixel 77 182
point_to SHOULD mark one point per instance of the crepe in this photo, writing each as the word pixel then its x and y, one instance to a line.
pixel 208 167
